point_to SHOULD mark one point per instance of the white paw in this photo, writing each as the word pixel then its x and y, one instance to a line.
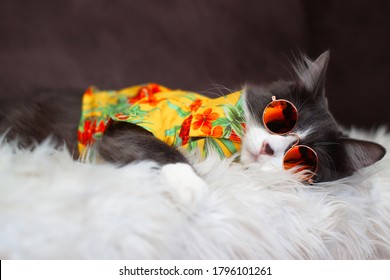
pixel 188 187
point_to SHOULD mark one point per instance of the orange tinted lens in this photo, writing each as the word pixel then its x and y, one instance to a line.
pixel 280 117
pixel 301 158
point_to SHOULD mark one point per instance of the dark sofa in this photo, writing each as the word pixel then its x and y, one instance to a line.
pixel 198 45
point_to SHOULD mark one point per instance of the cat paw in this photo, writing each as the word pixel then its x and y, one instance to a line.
pixel 188 187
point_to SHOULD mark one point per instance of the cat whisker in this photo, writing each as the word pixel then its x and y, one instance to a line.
pixel 220 89
pixel 216 95
pixel 303 103
pixel 224 88
pixel 292 74
pixel 210 93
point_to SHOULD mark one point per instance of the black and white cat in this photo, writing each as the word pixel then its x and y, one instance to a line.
pixel 338 155
pixel 57 115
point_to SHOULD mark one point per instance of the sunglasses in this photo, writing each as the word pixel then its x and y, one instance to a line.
pixel 280 117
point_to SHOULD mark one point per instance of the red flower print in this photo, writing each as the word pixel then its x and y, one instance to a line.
pixel 243 126
pixel 217 131
pixel 121 117
pixel 90 128
pixel 195 105
pixel 89 91
pixel 204 121
pixel 184 132
pixel 234 136
pixel 147 92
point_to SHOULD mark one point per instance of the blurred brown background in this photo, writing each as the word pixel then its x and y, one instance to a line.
pixel 191 44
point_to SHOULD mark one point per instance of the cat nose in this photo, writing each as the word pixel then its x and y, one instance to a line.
pixel 266 149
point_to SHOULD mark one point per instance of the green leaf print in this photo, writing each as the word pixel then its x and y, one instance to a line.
pixel 222 122
pixel 179 111
pixel 172 131
pixel 233 113
pixel 238 129
pixel 211 144
pixel 229 145
pixel 227 131
pixel 119 107
pixel 192 145
pixel 190 96
pixel 236 116
pixel 135 111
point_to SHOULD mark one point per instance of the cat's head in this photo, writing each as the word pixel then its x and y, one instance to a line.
pixel 338 155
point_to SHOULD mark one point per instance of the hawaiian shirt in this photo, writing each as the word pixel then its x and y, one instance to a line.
pixel 179 118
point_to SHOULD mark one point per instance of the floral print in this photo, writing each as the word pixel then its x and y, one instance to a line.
pixel 204 121
pixel 121 116
pixel 147 95
pixel 179 118
pixel 184 133
pixel 217 132
pixel 195 105
pixel 90 129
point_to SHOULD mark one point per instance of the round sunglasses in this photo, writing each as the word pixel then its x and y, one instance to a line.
pixel 280 117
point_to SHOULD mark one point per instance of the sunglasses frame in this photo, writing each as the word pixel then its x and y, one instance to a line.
pixel 307 178
pixel 278 100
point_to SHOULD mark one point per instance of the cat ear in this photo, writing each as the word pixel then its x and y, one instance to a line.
pixel 362 153
pixel 312 74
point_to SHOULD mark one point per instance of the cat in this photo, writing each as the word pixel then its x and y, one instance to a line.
pixel 338 155
pixel 57 115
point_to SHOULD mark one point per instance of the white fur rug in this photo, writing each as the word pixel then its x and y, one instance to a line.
pixel 54 208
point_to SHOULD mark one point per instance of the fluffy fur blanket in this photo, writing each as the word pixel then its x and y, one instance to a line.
pixel 52 207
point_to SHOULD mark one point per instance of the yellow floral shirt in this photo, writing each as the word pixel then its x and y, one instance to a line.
pixel 179 118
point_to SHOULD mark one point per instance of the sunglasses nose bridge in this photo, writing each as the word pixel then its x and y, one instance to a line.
pixel 280 118
pixel 298 139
